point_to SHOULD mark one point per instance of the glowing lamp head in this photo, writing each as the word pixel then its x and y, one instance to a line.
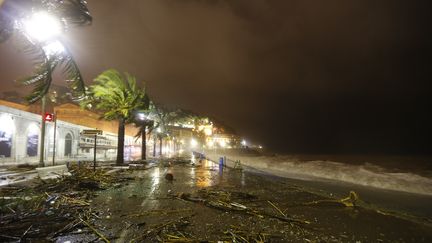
pixel 208 131
pixel 243 142
pixel 193 143
pixel 140 116
pixel 42 26
pixel 53 48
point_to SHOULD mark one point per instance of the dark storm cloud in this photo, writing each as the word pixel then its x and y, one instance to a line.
pixel 313 76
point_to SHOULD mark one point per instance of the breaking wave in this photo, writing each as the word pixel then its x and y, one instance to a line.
pixel 365 174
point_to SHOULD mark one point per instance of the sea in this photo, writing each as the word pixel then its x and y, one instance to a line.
pixel 397 183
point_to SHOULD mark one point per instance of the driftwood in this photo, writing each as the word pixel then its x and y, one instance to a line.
pixel 349 201
pixel 222 201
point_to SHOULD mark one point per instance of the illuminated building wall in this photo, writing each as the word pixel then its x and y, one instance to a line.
pixel 20 137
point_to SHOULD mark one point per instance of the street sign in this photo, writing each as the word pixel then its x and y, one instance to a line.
pixel 49 117
pixel 92 132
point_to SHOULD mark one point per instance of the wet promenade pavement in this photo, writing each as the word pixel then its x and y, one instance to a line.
pixel 152 208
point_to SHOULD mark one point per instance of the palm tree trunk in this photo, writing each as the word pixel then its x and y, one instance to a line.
pixel 160 146
pixel 154 147
pixel 120 142
pixel 143 143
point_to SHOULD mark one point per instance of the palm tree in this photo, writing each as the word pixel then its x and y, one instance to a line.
pixel 48 53
pixel 117 97
pixel 16 17
pixel 163 117
pixel 145 124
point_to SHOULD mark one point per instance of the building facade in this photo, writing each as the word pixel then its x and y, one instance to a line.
pixel 20 131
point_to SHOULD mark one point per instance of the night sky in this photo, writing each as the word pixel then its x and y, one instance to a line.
pixel 295 76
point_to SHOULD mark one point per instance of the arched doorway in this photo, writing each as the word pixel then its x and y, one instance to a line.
pixel 7 127
pixel 68 145
pixel 32 140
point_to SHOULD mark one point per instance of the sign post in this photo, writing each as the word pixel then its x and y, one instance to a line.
pixel 95 133
pixel 55 131
pixel 94 153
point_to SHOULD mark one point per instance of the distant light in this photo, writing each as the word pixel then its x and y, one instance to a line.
pixel 53 48
pixel 140 116
pixel 260 147
pixel 208 131
pixel 222 143
pixel 42 26
pixel 159 130
pixel 243 142
pixel 193 143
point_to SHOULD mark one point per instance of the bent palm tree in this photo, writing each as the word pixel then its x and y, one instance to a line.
pixel 48 53
pixel 117 97
pixel 145 123
pixel 18 19
pixel 163 118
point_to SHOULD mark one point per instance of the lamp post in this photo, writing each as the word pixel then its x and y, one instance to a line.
pixel 142 120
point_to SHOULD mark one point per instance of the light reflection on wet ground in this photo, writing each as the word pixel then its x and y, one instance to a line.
pixel 150 188
pixel 149 191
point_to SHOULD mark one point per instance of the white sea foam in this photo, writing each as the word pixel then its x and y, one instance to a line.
pixel 366 174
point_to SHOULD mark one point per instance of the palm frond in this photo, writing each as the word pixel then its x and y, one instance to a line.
pixel 10 11
pixel 25 45
pixel 73 75
pixel 116 95
pixel 6 26
pixel 41 83
pixel 75 12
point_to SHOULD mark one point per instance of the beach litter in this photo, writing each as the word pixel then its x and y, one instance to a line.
pixel 349 201
pixel 54 207
pixel 236 234
pixel 229 201
pixel 166 229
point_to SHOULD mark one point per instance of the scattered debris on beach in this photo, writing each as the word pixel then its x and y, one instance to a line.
pixel 51 208
pixel 349 201
pixel 143 204
pixel 229 201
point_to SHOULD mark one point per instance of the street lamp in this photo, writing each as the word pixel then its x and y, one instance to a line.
pixel 140 116
pixel 42 26
pixel 143 121
pixel 193 142
pixel 53 48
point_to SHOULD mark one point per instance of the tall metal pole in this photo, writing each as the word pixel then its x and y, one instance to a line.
pixel 94 153
pixel 54 145
pixel 42 142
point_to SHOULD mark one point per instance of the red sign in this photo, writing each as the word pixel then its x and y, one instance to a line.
pixel 49 117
